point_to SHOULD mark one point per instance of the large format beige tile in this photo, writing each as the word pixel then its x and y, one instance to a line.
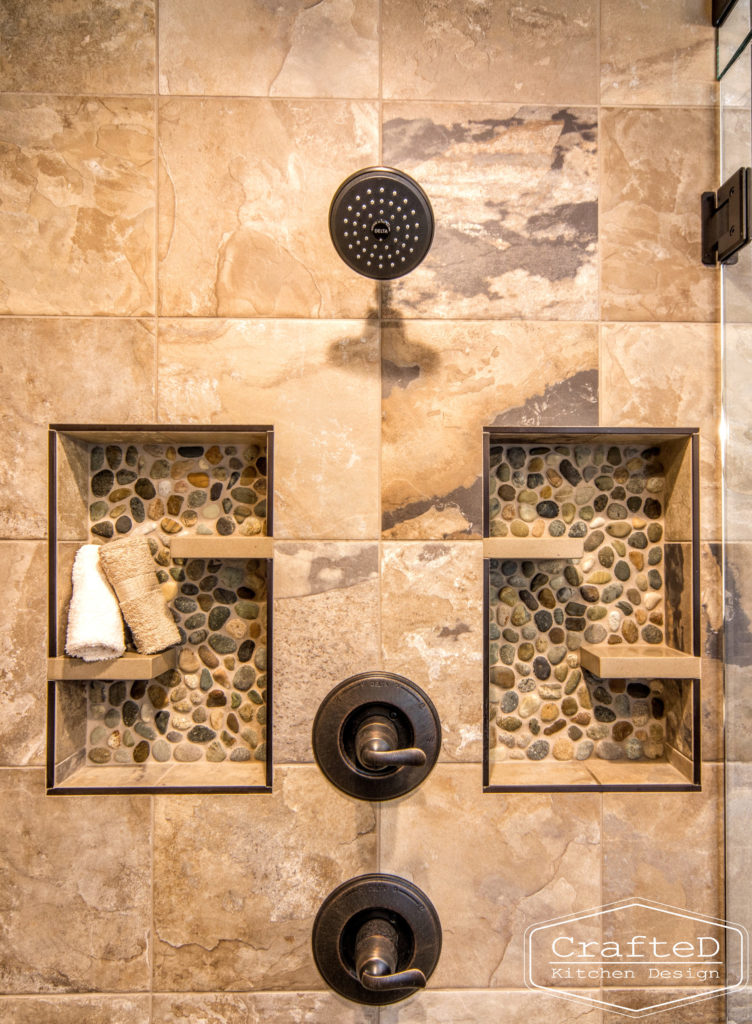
pixel 326 628
pixel 474 1007
pixel 245 188
pixel 737 373
pixel 23 663
pixel 255 48
pixel 442 382
pixel 315 382
pixel 657 53
pixel 63 371
pixel 668 375
pixel 432 632
pixel 492 864
pixel 77 198
pixel 515 194
pixel 74 890
pixel 238 881
pixel 649 216
pixel 89 1009
pixel 493 50
pixel 666 847
pixel 77 47
pixel 263 1008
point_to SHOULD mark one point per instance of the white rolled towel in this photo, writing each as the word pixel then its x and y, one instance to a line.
pixel 95 625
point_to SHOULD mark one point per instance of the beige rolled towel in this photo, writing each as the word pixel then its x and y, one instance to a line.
pixel 129 567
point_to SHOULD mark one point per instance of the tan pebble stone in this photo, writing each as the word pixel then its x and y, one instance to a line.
pixel 538 528
pixel 655 484
pixel 641 734
pixel 236 628
pixel 197 697
pixel 621 475
pixel 229 662
pixel 188 661
pixel 634 465
pixel 549 712
pixel 169 589
pixel 582 718
pixel 651 601
pixel 191 681
pixel 216 716
pixel 526 497
pixel 642 581
pixel 573 660
pixel 629 631
pixel 214 455
pixel 653 749
pixel 568 511
pixel 655 731
pixel 186 752
pixel 587 564
pixel 528 705
pixel 563 749
pixel 183 705
pixel 156 509
pixel 527 513
pixel 656 618
pixel 208 656
pixel 170 526
pixel 638 523
pixel 198 479
pixel 520 529
pixel 246 712
pixel 583 696
pixel 596 523
pixel 560 672
pixel 601 576
pixel 181 722
pixel 641 616
pixel 251 526
pixel 619 547
pixel 546 492
pixel 508 512
pixel 221 677
pixel 117 511
pixel 114 739
pixel 541 644
pixel 637 559
pixel 554 477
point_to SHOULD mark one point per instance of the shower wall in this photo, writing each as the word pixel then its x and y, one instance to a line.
pixel 165 175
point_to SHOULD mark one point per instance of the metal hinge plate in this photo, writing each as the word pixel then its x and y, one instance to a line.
pixel 725 219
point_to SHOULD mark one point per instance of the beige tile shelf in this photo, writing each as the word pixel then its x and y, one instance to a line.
pixel 197 546
pixel 629 661
pixel 533 547
pixel 130 666
pixel 515 775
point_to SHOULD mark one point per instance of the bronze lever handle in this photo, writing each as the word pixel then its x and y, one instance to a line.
pixel 376 959
pixel 376 746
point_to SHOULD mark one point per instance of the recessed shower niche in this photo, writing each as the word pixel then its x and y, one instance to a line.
pixel 592 666
pixel 197 716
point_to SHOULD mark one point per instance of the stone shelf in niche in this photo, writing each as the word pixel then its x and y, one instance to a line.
pixel 532 547
pixel 197 546
pixel 592 659
pixel 197 718
pixel 638 660
pixel 130 666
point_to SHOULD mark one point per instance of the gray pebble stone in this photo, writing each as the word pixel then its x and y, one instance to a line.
pixel 584 750
pixel 161 750
pixel 610 751
pixel 186 752
pixel 538 750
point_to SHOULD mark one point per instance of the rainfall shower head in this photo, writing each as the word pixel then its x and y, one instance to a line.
pixel 381 223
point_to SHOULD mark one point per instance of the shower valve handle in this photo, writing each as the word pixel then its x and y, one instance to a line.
pixel 376 746
pixel 376 959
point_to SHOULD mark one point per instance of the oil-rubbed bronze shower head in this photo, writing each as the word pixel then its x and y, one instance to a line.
pixel 381 223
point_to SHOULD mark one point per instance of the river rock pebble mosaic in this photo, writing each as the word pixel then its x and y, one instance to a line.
pixel 212 706
pixel 543 705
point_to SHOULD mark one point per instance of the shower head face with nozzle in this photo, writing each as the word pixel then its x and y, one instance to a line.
pixel 381 223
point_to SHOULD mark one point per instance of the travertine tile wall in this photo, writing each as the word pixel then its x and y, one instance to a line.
pixel 165 174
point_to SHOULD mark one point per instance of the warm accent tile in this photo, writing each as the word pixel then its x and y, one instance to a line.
pixel 515 194
pixel 326 628
pixel 261 245
pixel 738 412
pixel 442 382
pixel 649 222
pixel 77 47
pixel 668 375
pixel 329 48
pixel 670 850
pixel 657 53
pixel 75 884
pixel 492 864
pixel 537 53
pixel 23 661
pixel 58 371
pixel 705 1011
pixel 77 195
pixel 92 1009
pixel 316 382
pixel 473 1007
pixel 234 908
pixel 432 632
pixel 263 1008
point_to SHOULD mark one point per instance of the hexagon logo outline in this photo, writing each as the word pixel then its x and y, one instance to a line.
pixel 646 904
